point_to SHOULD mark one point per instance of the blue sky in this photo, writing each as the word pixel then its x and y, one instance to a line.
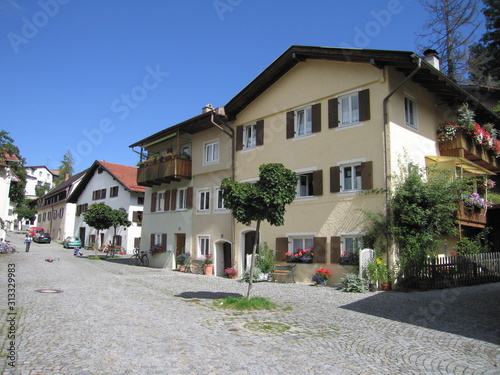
pixel 96 76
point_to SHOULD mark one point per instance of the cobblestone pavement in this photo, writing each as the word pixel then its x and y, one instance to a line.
pixel 113 318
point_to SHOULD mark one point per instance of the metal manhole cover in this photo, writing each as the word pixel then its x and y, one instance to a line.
pixel 48 291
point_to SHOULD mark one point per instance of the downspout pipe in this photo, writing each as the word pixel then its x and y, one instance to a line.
pixel 387 151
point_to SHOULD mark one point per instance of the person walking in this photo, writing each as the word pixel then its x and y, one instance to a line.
pixel 27 241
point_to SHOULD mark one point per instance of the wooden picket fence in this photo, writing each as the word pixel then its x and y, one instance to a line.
pixel 452 271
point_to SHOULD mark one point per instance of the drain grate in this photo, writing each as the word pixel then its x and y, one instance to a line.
pixel 48 291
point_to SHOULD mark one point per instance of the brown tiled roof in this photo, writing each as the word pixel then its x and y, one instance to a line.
pixel 127 175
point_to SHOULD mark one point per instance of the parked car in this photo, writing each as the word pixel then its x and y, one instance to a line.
pixel 33 231
pixel 42 238
pixel 72 242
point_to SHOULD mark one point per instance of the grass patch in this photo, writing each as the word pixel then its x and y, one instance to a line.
pixel 241 303
pixel 94 258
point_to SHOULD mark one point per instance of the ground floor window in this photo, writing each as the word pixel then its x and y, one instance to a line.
pixel 351 244
pixel 301 250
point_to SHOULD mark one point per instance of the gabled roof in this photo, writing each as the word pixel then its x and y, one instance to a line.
pixel 191 126
pixel 124 174
pixel 403 61
pixel 38 167
pixel 64 185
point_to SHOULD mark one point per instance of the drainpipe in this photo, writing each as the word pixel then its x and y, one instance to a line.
pixel 387 156
pixel 230 133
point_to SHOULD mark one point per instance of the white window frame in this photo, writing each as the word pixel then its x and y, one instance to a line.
pixel 158 239
pixel 204 245
pixel 182 199
pixel 203 200
pixel 308 176
pixel 305 128
pixel 160 201
pixel 347 114
pixel 352 167
pixel 410 112
pixel 186 150
pixel 211 152
pixel 300 242
pixel 250 136
pixel 357 239
pixel 219 200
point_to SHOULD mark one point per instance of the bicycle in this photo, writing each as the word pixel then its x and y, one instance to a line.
pixel 140 258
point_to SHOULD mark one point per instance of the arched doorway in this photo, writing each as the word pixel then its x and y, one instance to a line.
pixel 249 241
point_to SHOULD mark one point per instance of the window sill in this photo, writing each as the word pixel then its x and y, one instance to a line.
pixel 298 137
pixel 349 126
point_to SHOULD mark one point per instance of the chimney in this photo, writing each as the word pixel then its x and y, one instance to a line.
pixel 207 108
pixel 431 56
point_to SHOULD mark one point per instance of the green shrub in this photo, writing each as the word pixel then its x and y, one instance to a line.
pixel 265 259
pixel 256 274
pixel 352 283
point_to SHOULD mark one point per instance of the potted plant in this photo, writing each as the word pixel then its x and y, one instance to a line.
pixel 230 272
pixel 300 256
pixel 209 267
pixel 321 276
pixel 265 261
pixel 182 259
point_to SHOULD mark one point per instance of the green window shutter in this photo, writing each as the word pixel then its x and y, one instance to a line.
pixel 281 248
pixel 239 138
pixel 318 182
pixel 334 179
pixel 259 127
pixel 367 175
pixel 333 113
pixel 319 249
pixel 290 124
pixel 364 105
pixel 335 249
pixel 316 118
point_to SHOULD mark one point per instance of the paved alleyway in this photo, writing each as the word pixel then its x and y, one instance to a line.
pixel 112 318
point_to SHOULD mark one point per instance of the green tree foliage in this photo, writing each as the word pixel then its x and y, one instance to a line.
pixel 100 217
pixel 424 208
pixel 450 30
pixel 23 210
pixel 66 168
pixel 484 62
pixel 119 218
pixel 264 200
pixel 16 192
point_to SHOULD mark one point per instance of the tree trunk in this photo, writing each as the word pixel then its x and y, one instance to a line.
pixel 97 244
pixel 252 264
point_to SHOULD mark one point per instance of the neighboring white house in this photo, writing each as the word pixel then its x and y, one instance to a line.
pixel 116 186
pixel 7 176
pixel 37 176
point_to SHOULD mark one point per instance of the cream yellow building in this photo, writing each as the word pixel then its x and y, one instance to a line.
pixel 342 119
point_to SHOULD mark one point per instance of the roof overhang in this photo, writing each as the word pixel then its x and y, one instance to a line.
pixel 461 163
pixel 403 61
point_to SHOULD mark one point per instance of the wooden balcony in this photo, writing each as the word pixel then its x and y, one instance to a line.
pixel 472 218
pixel 164 172
pixel 462 147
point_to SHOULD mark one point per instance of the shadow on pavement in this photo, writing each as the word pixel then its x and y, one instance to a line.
pixel 207 295
pixel 472 311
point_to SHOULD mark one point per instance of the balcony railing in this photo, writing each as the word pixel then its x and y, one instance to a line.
pixel 463 147
pixel 164 172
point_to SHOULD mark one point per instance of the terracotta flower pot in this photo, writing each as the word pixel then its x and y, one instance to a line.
pixel 385 286
pixel 209 269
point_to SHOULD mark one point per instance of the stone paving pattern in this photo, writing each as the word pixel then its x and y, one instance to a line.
pixel 113 318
